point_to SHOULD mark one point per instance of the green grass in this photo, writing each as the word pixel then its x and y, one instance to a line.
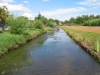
pixel 8 40
pixel 11 41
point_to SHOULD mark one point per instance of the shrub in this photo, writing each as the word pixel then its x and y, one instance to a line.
pixel 38 24
pixel 51 24
pixel 95 22
pixel 18 25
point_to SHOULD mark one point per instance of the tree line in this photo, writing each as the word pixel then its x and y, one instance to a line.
pixel 18 24
pixel 84 20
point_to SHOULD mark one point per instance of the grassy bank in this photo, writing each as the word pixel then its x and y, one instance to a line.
pixel 88 40
pixel 10 41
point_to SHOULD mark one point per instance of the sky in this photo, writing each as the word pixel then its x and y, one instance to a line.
pixel 56 9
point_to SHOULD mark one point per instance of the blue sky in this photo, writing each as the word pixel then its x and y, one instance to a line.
pixel 56 9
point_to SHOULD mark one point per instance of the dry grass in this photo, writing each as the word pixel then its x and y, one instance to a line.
pixel 95 29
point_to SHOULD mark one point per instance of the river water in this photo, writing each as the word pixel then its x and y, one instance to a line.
pixel 53 53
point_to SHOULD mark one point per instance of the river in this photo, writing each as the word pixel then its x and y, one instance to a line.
pixel 53 53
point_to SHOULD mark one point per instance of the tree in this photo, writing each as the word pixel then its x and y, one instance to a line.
pixel 85 17
pixel 91 17
pixel 79 20
pixel 57 21
pixel 38 24
pixel 52 24
pixel 72 20
pixel 42 18
pixel 38 17
pixel 3 15
pixel 18 25
pixel 30 24
pixel 51 20
pixel 66 22
pixel 9 19
pixel 98 16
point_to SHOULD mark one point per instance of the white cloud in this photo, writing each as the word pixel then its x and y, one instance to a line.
pixel 25 1
pixel 63 11
pixel 16 8
pixel 45 0
pixel 29 15
pixel 93 3
pixel 94 7
pixel 62 14
pixel 65 16
pixel 6 1
pixel 19 9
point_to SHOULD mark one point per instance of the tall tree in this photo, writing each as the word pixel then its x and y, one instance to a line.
pixel 92 17
pixel 72 20
pixel 79 20
pixel 3 15
pixel 98 16
pixel 38 17
pixel 66 22
pixel 57 21
pixel 42 18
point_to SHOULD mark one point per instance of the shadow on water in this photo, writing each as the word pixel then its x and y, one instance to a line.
pixel 53 53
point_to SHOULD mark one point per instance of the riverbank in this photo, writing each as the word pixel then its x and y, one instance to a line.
pixel 90 41
pixel 9 41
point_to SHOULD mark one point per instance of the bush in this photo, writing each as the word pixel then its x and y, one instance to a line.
pixel 38 24
pixel 95 22
pixel 51 24
pixel 18 25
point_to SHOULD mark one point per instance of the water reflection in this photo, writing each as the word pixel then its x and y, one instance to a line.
pixel 54 53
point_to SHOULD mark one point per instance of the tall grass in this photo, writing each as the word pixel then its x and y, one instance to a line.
pixel 8 40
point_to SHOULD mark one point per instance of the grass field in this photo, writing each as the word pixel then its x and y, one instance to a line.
pixel 87 37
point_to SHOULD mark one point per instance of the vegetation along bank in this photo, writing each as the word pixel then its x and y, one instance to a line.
pixel 20 29
pixel 90 41
pixel 11 41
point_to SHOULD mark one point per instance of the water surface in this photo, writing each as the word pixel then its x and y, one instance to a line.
pixel 53 53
